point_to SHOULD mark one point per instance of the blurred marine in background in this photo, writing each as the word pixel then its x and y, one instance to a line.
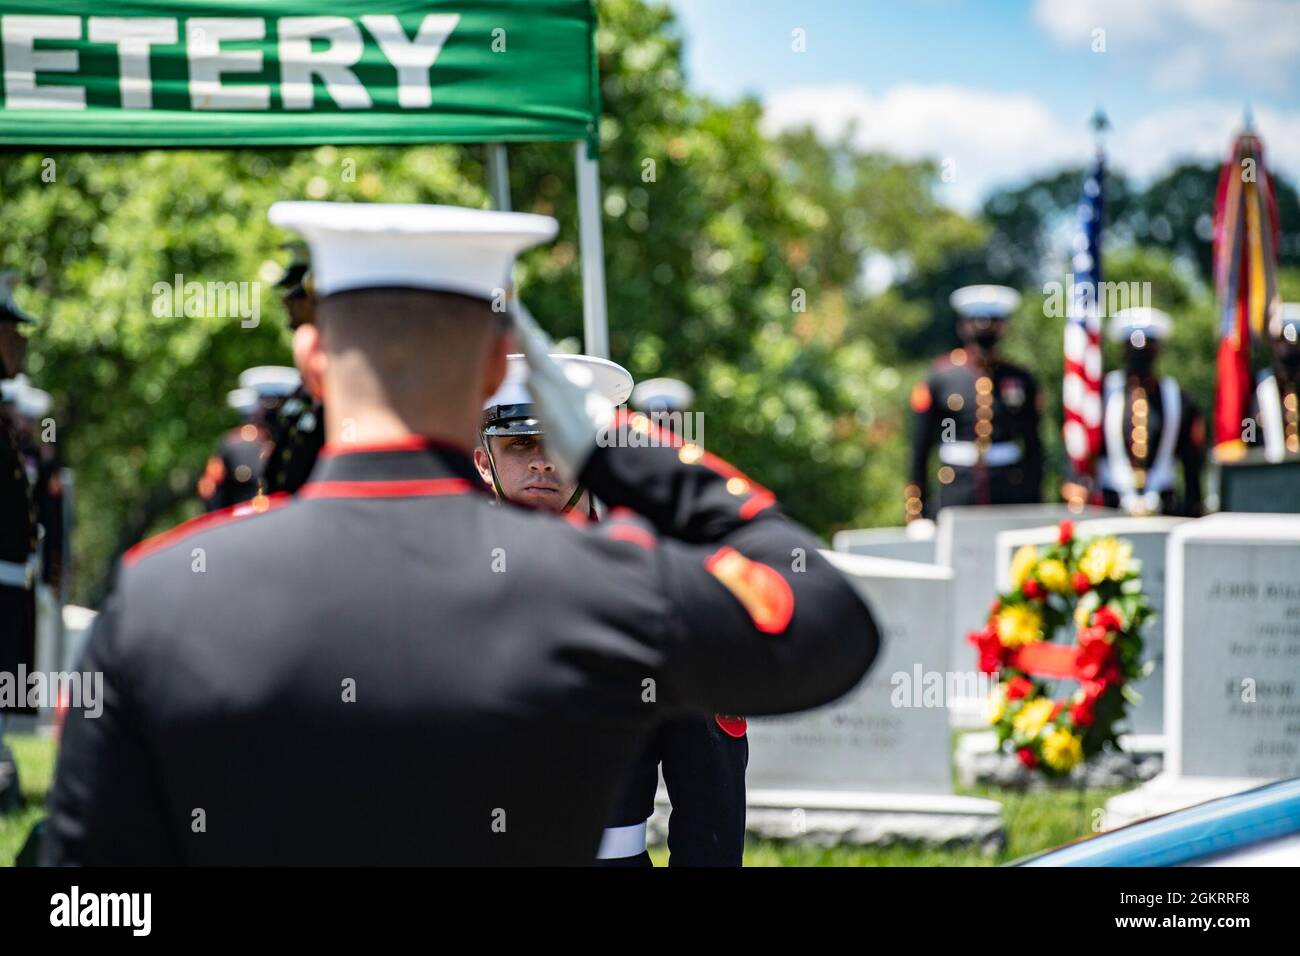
pixel 980 412
pixel 1151 429
pixel 298 431
pixel 234 472
pixel 19 559
pixel 1277 395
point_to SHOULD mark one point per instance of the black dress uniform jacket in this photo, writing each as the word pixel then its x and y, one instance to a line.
pixel 234 472
pixel 18 537
pixel 490 672
pixel 952 395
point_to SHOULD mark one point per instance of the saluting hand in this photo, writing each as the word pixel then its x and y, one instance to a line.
pixel 572 411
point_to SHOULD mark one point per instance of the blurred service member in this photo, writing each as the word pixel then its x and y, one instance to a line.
pixel 980 412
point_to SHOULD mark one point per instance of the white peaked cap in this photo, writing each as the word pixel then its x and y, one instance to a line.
pixel 11 389
pixel 981 301
pixel 608 378
pixel 242 400
pixel 33 402
pixel 1152 323
pixel 28 400
pixel 270 380
pixel 667 394
pixel 408 246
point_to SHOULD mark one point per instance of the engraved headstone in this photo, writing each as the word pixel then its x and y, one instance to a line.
pixel 875 765
pixel 1232 651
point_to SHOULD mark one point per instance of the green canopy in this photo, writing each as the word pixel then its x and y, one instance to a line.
pixel 90 74
pixel 195 73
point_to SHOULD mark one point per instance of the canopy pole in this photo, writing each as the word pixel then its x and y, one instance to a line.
pixel 595 323
pixel 498 175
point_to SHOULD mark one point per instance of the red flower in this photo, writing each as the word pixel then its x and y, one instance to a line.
pixel 1084 712
pixel 1018 687
pixel 1056 709
pixel 995 606
pixel 1027 757
pixel 1107 618
pixel 1081 583
pixel 991 651
pixel 1095 653
pixel 1033 590
pixel 1066 532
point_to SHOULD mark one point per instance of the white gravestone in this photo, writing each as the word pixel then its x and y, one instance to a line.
pixel 966 541
pixel 1232 650
pixel 912 543
pixel 874 767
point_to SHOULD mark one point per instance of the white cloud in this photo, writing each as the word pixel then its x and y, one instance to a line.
pixel 982 138
pixel 997 139
pixel 1253 40
pixel 1204 130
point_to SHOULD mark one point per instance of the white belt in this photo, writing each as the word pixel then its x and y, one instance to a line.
pixel 965 454
pixel 15 575
pixel 619 842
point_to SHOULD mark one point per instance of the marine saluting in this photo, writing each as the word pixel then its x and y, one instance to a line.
pixel 488 695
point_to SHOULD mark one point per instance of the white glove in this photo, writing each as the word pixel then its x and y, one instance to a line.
pixel 572 413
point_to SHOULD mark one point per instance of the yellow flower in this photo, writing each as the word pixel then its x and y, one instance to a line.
pixel 1024 561
pixel 1081 615
pixel 1033 717
pixel 1062 749
pixel 1106 559
pixel 995 705
pixel 1055 576
pixel 1019 624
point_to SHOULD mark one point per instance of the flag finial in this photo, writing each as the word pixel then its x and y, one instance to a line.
pixel 1099 121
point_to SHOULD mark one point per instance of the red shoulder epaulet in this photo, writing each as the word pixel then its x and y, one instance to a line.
pixel 245 509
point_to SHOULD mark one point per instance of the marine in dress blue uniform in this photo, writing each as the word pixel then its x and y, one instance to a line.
pixel 490 714
pixel 298 429
pixel 234 472
pixel 703 758
pixel 1151 428
pixel 1277 391
pixel 19 536
pixel 978 413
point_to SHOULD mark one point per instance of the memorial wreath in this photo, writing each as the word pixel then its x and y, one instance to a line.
pixel 1095 586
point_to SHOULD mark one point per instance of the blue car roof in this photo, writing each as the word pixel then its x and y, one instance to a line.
pixel 1186 836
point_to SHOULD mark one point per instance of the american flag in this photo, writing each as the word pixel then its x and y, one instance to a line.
pixel 1081 385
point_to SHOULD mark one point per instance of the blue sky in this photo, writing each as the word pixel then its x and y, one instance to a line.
pixel 1003 88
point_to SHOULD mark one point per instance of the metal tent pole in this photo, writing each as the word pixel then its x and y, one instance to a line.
pixel 498 175
pixel 595 322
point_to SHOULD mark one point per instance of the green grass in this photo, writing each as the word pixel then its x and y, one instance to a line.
pixel 1034 821
pixel 35 757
